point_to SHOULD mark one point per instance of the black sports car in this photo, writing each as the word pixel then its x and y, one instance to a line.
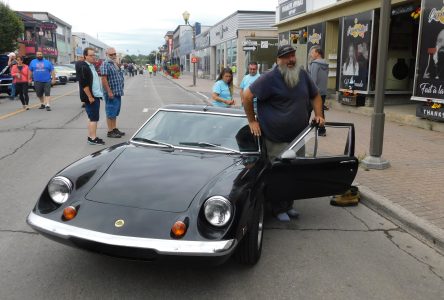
pixel 191 182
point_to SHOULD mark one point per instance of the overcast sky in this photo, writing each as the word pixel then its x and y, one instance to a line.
pixel 136 25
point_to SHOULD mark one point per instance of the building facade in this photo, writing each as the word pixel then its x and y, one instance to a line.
pixel 55 36
pixel 347 31
pixel 81 40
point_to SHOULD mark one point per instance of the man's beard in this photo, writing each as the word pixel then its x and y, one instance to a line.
pixel 290 75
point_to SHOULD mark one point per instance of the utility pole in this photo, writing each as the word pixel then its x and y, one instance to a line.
pixel 374 160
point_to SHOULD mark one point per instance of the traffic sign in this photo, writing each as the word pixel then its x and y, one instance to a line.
pixel 249 48
pixel 194 60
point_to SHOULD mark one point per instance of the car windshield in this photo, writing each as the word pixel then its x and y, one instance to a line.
pixel 226 133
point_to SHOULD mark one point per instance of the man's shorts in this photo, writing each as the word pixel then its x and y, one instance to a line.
pixel 112 106
pixel 93 109
pixel 42 87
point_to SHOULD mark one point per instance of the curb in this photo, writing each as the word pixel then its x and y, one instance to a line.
pixel 414 225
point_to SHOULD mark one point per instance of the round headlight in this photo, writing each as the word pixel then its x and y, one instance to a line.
pixel 218 211
pixel 59 189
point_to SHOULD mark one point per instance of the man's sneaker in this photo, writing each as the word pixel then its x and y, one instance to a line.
pixel 113 134
pixel 48 108
pixel 119 132
pixel 283 217
pixel 95 141
pixel 42 106
pixel 293 213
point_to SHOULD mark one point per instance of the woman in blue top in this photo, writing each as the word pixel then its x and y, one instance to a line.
pixel 223 89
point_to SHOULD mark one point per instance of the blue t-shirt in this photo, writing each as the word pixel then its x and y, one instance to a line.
pixel 283 112
pixel 246 82
pixel 41 70
pixel 223 90
pixel 248 79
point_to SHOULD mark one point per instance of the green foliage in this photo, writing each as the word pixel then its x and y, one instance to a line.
pixel 11 28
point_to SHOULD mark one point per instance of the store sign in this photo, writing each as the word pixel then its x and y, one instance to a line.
pixel 356 51
pixel 48 26
pixel 291 8
pixel 429 75
pixel 427 112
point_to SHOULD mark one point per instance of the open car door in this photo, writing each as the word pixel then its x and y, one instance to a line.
pixel 314 166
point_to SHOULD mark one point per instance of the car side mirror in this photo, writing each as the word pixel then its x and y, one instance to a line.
pixel 288 154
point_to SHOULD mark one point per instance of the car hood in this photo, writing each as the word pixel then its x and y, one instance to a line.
pixel 164 180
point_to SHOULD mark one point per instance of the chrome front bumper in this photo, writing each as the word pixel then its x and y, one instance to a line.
pixel 161 246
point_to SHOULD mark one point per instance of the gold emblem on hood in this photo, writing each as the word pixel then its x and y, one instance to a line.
pixel 119 223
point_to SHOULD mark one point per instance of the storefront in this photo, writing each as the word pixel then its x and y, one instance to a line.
pixel 242 37
pixel 347 31
pixel 203 54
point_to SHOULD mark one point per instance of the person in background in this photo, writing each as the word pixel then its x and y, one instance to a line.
pixel 78 66
pixel 318 70
pixel 253 74
pixel 20 73
pixel 285 98
pixel 11 62
pixel 42 72
pixel 154 70
pixel 90 93
pixel 150 69
pixel 113 84
pixel 223 89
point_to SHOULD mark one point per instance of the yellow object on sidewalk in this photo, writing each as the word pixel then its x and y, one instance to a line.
pixel 350 198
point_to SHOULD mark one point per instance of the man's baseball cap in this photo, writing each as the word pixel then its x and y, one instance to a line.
pixel 285 49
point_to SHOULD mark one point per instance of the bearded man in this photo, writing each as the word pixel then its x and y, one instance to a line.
pixel 285 98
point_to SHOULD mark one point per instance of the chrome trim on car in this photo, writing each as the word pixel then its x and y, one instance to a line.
pixel 161 246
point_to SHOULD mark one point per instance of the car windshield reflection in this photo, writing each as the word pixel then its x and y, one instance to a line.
pixel 226 133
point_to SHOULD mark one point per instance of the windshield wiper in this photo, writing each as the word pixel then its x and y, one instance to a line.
pixel 148 141
pixel 205 144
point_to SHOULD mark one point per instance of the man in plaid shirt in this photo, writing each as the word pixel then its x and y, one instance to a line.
pixel 113 82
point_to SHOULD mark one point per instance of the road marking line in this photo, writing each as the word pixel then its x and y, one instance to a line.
pixel 33 106
pixel 206 97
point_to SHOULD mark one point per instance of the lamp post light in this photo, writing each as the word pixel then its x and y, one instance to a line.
pixel 186 17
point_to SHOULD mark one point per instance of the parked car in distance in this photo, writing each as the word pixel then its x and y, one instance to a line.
pixel 191 183
pixel 66 71
pixel 5 75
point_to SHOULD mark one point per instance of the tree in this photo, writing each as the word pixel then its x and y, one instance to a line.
pixel 11 28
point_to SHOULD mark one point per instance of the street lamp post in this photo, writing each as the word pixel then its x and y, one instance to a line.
pixel 186 17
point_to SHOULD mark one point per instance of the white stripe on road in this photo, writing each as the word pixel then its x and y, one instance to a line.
pixel 206 97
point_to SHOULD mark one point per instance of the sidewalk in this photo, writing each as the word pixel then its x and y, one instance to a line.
pixel 410 191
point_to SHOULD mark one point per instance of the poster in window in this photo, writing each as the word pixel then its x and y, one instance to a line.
pixel 284 38
pixel 315 37
pixel 355 53
pixel 429 76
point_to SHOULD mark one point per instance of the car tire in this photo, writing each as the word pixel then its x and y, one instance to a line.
pixel 250 248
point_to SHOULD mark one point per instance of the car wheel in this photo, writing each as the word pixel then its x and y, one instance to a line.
pixel 250 248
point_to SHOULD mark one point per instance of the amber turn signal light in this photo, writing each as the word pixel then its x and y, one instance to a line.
pixel 69 213
pixel 179 229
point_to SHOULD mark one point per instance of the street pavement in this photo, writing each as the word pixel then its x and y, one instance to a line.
pixel 410 191
pixel 327 253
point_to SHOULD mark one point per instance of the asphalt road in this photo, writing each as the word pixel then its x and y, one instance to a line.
pixel 328 253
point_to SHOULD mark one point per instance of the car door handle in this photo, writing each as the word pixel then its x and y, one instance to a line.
pixel 347 161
